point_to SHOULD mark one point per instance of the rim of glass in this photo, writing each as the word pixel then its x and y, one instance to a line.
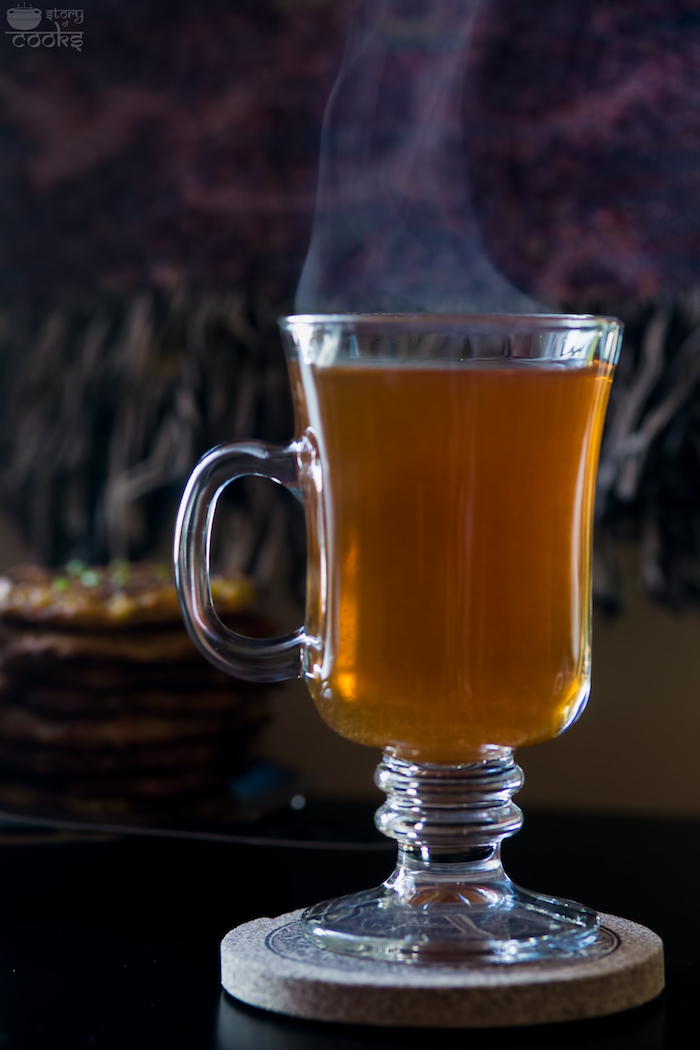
pixel 436 321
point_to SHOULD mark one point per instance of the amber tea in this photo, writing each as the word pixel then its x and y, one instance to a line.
pixel 458 548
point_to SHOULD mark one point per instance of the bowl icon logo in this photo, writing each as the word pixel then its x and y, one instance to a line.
pixel 24 17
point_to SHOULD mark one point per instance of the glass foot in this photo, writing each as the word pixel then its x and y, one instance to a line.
pixel 491 924
pixel 449 899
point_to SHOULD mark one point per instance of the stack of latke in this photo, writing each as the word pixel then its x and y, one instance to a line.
pixel 105 705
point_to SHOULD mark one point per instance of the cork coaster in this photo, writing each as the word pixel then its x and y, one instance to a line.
pixel 269 964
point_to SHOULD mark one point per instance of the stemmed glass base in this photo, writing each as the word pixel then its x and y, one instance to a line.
pixel 449 899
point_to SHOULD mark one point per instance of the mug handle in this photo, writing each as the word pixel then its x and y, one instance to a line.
pixel 253 659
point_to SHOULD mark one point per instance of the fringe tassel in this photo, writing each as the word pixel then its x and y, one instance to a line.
pixel 105 411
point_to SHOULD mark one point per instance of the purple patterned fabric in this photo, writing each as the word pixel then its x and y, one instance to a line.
pixel 182 142
pixel 584 124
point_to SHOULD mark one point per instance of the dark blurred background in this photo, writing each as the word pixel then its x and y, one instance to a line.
pixel 158 198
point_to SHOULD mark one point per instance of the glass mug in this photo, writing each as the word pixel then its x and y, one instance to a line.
pixel 447 467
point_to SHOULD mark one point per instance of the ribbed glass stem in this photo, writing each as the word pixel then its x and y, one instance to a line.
pixel 449 822
pixel 435 811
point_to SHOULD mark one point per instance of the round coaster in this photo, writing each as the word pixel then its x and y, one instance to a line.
pixel 268 963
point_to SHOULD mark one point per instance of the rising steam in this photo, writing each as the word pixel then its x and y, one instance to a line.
pixel 395 227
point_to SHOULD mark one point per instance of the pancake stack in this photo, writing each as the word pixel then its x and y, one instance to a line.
pixel 106 707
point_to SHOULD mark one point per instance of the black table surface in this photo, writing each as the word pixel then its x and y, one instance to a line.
pixel 115 942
